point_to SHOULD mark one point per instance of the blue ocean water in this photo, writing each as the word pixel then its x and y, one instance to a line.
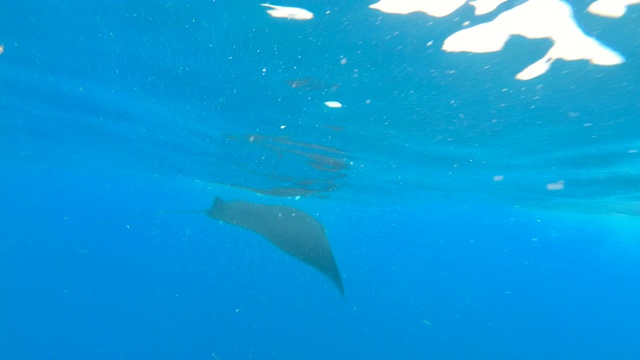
pixel 113 112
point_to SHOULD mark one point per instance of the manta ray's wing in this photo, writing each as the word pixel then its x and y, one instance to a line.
pixel 291 230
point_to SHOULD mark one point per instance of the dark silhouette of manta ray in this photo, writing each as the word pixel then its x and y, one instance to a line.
pixel 291 230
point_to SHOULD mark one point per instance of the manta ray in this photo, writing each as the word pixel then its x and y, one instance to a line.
pixel 291 230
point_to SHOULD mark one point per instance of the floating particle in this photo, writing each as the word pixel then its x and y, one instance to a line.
pixel 333 104
pixel 287 12
pixel 559 185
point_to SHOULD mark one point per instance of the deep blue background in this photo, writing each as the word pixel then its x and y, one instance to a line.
pixel 111 113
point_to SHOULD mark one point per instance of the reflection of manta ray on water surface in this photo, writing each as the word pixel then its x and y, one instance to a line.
pixel 282 166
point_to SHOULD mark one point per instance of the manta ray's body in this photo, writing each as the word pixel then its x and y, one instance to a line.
pixel 291 230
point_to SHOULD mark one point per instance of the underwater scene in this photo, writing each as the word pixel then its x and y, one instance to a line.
pixel 305 179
